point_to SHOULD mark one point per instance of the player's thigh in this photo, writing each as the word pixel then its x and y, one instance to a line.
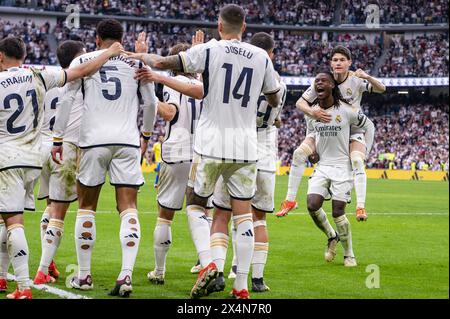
pixel 172 185
pixel 125 168
pixel 16 189
pixel 341 184
pixel 44 179
pixel 221 197
pixel 264 200
pixel 357 140
pixel 319 182
pixel 204 174
pixel 310 141
pixel 62 183
pixel 94 163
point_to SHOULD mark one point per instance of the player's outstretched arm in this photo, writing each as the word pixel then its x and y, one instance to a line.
pixel 377 86
pixel 155 61
pixel 150 102
pixel 90 67
pixel 167 111
pixel 191 90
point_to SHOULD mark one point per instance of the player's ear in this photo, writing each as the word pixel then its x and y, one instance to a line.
pixel 244 26
pixel 220 26
pixel 98 41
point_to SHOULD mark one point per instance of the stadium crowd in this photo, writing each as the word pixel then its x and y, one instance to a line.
pixel 401 11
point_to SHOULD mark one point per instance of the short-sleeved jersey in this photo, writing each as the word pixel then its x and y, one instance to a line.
pixel 333 138
pixel 51 100
pixel 351 89
pixel 178 144
pixel 111 103
pixel 234 76
pixel 22 94
pixel 157 151
pixel 267 132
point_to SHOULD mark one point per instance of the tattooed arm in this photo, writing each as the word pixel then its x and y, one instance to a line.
pixel 158 62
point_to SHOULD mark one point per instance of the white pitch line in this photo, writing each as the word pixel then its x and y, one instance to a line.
pixel 53 290
pixel 295 213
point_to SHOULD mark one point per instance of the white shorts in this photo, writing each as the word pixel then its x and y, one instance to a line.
pixel 121 162
pixel 239 178
pixel 16 189
pixel 264 194
pixel 173 179
pixel 58 182
pixel 331 180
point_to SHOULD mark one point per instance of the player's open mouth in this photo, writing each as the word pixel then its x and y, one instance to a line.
pixel 320 90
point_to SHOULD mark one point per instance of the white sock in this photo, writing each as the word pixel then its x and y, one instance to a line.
pixel 245 242
pixel 296 171
pixel 130 236
pixel 320 219
pixel 199 228
pixel 360 178
pixel 4 258
pixel 51 242
pixel 18 254
pixel 219 245
pixel 345 234
pixel 233 242
pixel 162 240
pixel 85 236
pixel 210 220
pixel 259 259
pixel 44 224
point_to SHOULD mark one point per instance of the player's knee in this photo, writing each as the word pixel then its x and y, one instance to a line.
pixel 338 208
pixel 357 158
pixel 258 215
pixel 301 153
pixel 194 199
pixel 313 205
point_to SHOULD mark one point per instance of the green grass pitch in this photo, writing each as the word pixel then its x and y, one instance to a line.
pixel 406 237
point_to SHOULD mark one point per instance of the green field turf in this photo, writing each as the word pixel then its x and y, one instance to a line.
pixel 406 236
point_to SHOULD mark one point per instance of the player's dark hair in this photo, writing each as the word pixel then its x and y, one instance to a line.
pixel 234 17
pixel 342 50
pixel 263 40
pixel 13 47
pixel 67 51
pixel 110 29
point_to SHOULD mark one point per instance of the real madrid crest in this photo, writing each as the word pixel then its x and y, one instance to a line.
pixel 349 91
pixel 338 118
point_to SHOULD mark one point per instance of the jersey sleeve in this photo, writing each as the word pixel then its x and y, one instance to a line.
pixel 271 84
pixel 365 86
pixel 171 96
pixel 309 125
pixel 310 95
pixel 51 79
pixel 194 59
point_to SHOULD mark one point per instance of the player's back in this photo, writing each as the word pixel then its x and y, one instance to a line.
pixel 234 77
pixel 178 144
pixel 111 103
pixel 21 110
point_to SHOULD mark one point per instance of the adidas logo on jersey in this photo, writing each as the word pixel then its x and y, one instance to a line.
pixel 20 254
pixel 248 233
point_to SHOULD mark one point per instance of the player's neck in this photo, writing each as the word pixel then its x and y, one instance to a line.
pixel 326 103
pixel 340 77
pixel 230 36
pixel 10 64
pixel 106 44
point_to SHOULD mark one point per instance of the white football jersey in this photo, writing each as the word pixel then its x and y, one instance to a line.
pixel 234 75
pixel 268 133
pixel 111 102
pixel 51 100
pixel 333 138
pixel 178 144
pixel 22 94
pixel 351 89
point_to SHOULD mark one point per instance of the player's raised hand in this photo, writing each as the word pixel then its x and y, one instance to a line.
pixel 361 74
pixel 321 115
pixel 146 75
pixel 141 44
pixel 115 49
pixel 198 37
pixel 57 154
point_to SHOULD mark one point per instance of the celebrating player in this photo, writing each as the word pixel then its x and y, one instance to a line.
pixel 57 183
pixel 109 142
pixel 352 85
pixel 333 174
pixel 20 125
pixel 225 144
pixel 263 202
